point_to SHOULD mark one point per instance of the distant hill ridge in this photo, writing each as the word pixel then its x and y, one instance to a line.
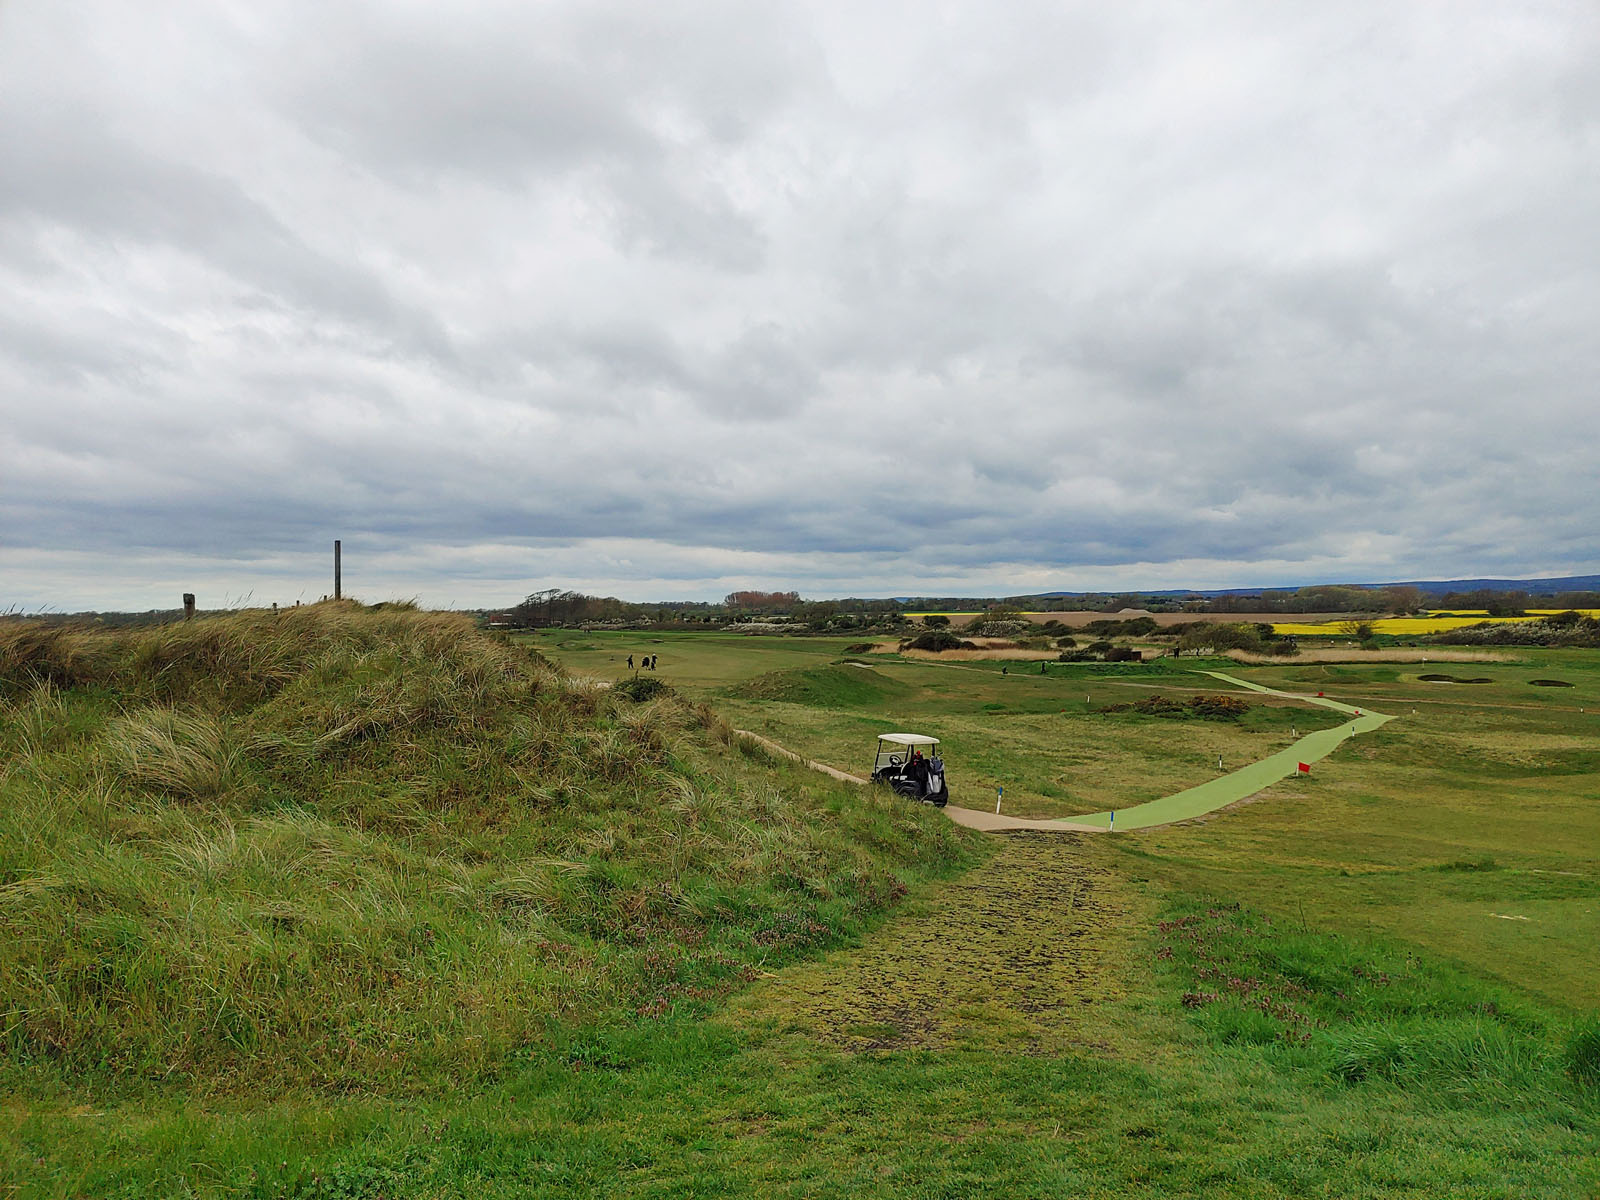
pixel 1438 587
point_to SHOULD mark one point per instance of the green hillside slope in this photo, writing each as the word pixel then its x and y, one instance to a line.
pixel 340 846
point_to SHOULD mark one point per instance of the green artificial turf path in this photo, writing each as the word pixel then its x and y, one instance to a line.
pixel 1247 781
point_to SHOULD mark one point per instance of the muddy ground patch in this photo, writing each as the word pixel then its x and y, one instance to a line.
pixel 1016 953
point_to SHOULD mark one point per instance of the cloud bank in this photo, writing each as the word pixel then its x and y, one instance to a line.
pixel 885 299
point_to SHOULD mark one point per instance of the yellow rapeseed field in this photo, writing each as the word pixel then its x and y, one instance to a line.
pixel 1417 625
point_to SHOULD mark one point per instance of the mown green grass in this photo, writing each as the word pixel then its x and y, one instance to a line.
pixel 1496 775
pixel 1325 990
pixel 1044 738
pixel 695 662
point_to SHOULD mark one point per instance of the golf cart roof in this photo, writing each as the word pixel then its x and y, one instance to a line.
pixel 908 739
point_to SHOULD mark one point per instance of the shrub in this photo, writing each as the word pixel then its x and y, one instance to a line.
pixel 936 621
pixel 1066 643
pixel 1585 631
pixel 1211 708
pixel 1133 627
pixel 1218 708
pixel 937 640
pixel 1001 629
pixel 1099 647
pixel 1220 636
pixel 640 687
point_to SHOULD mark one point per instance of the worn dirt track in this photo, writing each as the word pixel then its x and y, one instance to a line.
pixel 989 822
pixel 1016 954
pixel 768 743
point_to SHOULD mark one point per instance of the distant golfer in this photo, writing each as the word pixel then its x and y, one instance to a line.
pixel 630 662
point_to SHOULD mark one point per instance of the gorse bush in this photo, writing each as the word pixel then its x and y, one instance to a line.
pixel 377 848
pixel 1212 708
pixel 1561 629
pixel 641 687
pixel 937 640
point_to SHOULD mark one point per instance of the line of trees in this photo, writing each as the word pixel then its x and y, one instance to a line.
pixel 1515 604
pixel 1322 598
pixel 762 601
pixel 558 606
pixel 1319 598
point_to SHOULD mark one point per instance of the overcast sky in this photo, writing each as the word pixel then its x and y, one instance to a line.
pixel 667 299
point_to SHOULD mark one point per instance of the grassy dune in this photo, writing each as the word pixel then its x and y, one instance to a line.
pixel 356 848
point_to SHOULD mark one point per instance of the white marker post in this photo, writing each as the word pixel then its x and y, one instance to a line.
pixel 1112 824
pixel 998 792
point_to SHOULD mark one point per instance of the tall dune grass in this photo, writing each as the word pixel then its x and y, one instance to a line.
pixel 356 848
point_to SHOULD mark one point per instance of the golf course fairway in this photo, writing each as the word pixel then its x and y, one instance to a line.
pixel 1236 785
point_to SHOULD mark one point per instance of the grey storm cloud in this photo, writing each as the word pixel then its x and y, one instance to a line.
pixel 665 300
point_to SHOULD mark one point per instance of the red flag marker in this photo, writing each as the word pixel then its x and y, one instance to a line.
pixel 1305 768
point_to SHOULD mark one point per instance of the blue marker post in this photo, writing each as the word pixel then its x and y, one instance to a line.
pixel 1112 824
pixel 998 792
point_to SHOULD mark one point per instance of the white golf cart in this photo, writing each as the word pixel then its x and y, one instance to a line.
pixel 910 764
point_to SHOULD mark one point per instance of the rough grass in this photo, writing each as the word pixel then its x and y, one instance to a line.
pixel 355 848
pixel 1357 1011
pixel 1016 1033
